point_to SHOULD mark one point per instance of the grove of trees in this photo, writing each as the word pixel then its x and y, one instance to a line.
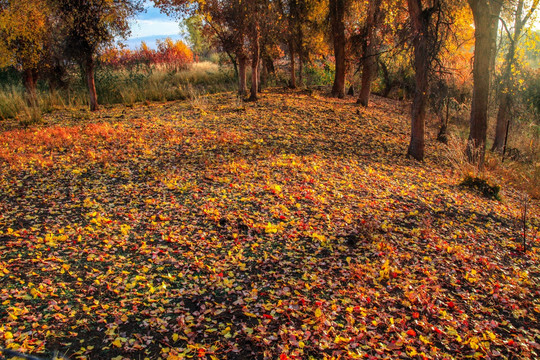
pixel 438 41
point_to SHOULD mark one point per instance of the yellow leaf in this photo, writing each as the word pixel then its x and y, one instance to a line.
pixel 117 342
pixel 270 228
pixel 8 335
pixel 318 313
pixel 175 337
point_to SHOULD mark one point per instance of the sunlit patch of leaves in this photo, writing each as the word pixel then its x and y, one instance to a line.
pixel 294 228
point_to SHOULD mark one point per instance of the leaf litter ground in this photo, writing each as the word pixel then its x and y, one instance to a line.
pixel 293 227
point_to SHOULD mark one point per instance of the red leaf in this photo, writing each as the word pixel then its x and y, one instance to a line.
pixel 411 332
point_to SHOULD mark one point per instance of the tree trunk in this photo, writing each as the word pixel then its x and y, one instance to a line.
pixel 292 55
pixel 337 15
pixel 30 85
pixel 507 88
pixel 234 63
pixel 503 120
pixel 89 68
pixel 388 84
pixel 259 70
pixel 300 69
pixel 263 69
pixel 242 62
pixel 292 84
pixel 255 51
pixel 420 23
pixel 486 18
pixel 369 61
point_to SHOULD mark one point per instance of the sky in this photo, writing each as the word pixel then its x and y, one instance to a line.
pixel 151 25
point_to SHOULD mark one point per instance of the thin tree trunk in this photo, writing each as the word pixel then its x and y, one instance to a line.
pixel 292 54
pixel 486 17
pixel 420 21
pixel 242 62
pixel 263 69
pixel 90 81
pixel 507 88
pixel 388 84
pixel 503 120
pixel 255 52
pixel 337 15
pixel 300 69
pixel 369 61
pixel 234 62
pixel 259 70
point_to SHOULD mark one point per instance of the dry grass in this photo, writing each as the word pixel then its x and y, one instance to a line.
pixel 123 86
pixel 523 175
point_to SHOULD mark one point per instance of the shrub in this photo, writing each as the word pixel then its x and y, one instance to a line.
pixel 174 55
pixel 481 185
pixel 531 92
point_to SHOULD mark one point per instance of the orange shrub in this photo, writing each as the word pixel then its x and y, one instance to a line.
pixel 174 55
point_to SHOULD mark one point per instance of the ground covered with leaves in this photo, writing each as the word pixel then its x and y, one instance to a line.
pixel 290 228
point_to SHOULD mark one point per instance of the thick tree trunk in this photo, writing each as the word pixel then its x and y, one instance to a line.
pixel 90 81
pixel 507 88
pixel 420 21
pixel 255 52
pixel 369 61
pixel 486 18
pixel 30 86
pixel 337 17
pixel 292 55
pixel 242 65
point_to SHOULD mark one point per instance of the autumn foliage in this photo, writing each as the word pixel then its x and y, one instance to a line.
pixel 286 229
pixel 173 55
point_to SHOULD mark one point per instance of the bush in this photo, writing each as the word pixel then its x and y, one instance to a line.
pixel 531 93
pixel 320 73
pixel 481 185
pixel 173 55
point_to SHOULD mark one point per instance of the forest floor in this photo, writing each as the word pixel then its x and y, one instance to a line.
pixel 290 228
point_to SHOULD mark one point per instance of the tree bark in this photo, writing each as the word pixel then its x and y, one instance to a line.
pixel 242 65
pixel 369 61
pixel 259 70
pixel 90 81
pixel 337 18
pixel 420 22
pixel 234 63
pixel 507 88
pixel 292 54
pixel 503 120
pixel 30 86
pixel 486 18
pixel 255 52
pixel 300 69
pixel 388 84
pixel 263 70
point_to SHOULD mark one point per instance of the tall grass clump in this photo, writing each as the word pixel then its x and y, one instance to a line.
pixel 12 102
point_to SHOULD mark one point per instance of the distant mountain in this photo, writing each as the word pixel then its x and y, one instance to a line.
pixel 133 43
